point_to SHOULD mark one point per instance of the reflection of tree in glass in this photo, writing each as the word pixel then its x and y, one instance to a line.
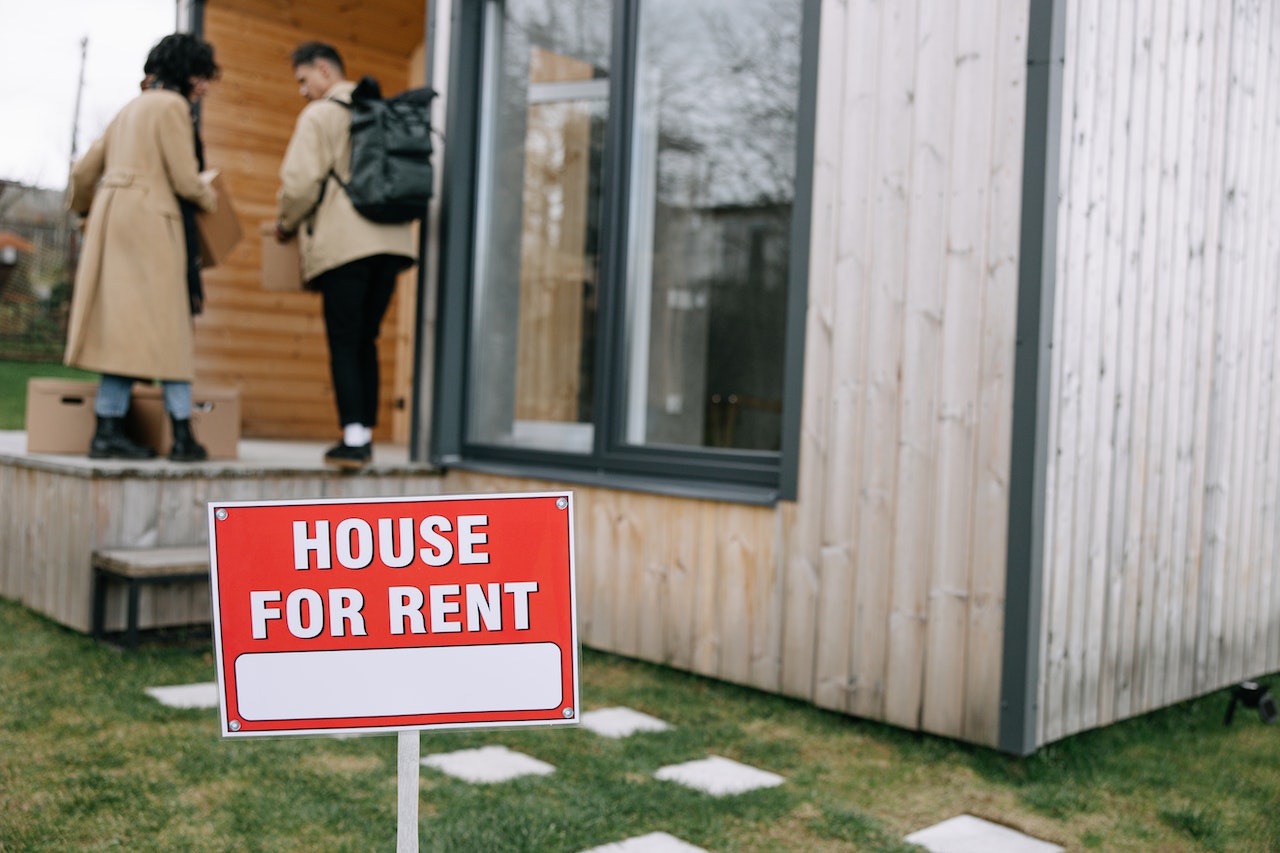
pixel 727 93
pixel 577 28
pixel 717 86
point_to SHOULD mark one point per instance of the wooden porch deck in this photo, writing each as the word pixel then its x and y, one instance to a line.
pixel 56 509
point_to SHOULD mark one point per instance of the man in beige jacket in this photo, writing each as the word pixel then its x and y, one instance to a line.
pixel 352 261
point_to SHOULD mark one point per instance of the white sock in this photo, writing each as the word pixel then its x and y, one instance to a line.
pixel 356 435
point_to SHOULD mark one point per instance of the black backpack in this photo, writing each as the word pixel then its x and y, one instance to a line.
pixel 391 173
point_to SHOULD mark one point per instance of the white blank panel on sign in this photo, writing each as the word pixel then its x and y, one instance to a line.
pixel 396 682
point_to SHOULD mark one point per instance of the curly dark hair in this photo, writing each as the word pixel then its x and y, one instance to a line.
pixel 177 58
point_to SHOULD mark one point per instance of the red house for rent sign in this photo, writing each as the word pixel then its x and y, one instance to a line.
pixel 392 614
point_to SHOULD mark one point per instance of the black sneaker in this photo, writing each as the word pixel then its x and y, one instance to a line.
pixel 346 456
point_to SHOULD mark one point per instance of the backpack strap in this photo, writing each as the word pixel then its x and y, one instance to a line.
pixel 332 173
pixel 367 88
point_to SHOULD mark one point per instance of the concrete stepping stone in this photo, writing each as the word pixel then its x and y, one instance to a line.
pixel 204 695
pixel 719 776
pixel 654 842
pixel 487 764
pixel 969 834
pixel 621 722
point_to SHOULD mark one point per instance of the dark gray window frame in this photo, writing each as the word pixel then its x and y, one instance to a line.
pixel 1018 730
pixel 758 478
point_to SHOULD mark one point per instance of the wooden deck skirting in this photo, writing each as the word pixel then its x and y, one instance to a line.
pixel 56 511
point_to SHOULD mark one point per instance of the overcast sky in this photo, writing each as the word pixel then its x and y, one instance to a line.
pixel 40 70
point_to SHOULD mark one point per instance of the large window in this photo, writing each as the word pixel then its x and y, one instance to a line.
pixel 621 287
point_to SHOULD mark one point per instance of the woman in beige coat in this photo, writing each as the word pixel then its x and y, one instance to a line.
pixel 130 311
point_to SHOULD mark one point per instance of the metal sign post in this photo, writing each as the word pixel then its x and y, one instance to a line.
pixel 407 790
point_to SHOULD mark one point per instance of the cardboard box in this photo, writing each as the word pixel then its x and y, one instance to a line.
pixel 215 419
pixel 281 264
pixel 60 415
pixel 219 231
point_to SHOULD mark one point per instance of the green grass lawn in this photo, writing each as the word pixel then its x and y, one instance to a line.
pixel 13 387
pixel 89 762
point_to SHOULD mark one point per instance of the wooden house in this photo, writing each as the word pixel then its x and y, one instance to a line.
pixel 914 359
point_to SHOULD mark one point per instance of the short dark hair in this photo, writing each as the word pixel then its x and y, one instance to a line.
pixel 176 58
pixel 308 52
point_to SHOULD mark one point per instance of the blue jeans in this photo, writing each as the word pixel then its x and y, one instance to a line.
pixel 114 391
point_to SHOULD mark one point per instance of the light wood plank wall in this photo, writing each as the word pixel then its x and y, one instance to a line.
pixel 896 550
pixel 1160 547
pixel 272 345
pixel 880 591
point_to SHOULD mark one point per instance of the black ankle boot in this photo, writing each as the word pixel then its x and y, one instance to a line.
pixel 185 447
pixel 110 442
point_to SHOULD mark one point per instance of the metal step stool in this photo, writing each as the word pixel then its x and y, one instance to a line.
pixel 138 567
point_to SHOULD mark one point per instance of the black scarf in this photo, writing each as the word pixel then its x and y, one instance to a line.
pixel 195 292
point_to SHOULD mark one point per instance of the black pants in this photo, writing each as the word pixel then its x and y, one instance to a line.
pixel 356 296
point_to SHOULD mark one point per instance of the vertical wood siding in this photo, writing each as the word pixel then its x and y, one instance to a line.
pixel 1164 458
pixel 902 516
pixel 272 344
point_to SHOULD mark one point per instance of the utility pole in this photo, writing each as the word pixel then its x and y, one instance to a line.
pixel 73 234
pixel 75 119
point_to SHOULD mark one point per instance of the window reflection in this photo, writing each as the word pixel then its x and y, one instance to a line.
pixel 705 199
pixel 712 179
pixel 538 236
